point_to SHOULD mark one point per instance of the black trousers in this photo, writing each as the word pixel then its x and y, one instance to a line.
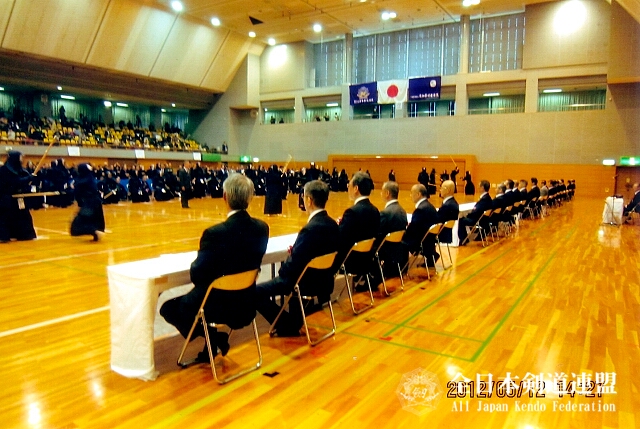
pixel 184 198
pixel 289 321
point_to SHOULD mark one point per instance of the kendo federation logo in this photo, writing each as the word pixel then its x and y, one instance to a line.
pixel 363 93
pixel 419 391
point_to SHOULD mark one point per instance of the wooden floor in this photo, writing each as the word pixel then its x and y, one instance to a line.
pixel 561 296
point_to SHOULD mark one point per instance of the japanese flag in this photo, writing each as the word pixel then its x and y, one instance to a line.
pixel 392 91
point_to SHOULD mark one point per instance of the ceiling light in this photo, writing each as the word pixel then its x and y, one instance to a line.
pixel 385 16
pixel 177 6
pixel 252 34
pixel 59 88
pixel 467 3
pixel 608 162
pixel 272 41
pixel 491 94
pixel 163 110
pixel 107 104
pixel 317 28
pixel 215 21
pixel 392 15
pixel 68 97
pixel 122 104
pixel 332 104
pixel 1 88
pixel 173 104
pixel 551 91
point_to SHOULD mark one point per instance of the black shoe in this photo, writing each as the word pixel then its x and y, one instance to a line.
pixel 222 341
pixel 286 332
pixel 203 356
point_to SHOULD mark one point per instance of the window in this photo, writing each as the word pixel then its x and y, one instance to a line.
pixel 364 56
pixel 426 51
pixel 496 43
pixel 432 108
pixel 329 63
pixel 496 105
pixel 571 101
pixel 434 51
pixel 391 55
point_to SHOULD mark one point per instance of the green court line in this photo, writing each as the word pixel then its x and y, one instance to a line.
pixel 428 330
pixel 508 313
pixel 436 300
pixel 406 346
pixel 237 384
pixel 517 302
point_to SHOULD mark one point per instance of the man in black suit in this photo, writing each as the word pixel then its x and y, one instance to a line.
pixel 233 246
pixel 634 204
pixel 422 218
pixel 450 209
pixel 508 193
pixel 359 222
pixel 483 204
pixel 318 237
pixel 392 218
pixel 185 184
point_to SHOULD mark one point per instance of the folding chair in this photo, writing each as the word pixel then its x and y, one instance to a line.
pixel 364 247
pixel 231 283
pixel 477 228
pixel 392 237
pixel 494 222
pixel 530 207
pixel 516 213
pixel 505 221
pixel 433 231
pixel 447 226
pixel 324 262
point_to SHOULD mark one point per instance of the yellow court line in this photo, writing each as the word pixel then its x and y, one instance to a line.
pixel 52 321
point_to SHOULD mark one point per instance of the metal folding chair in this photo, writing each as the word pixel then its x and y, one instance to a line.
pixel 392 237
pixel 231 282
pixel 478 229
pixel 324 262
pixel 494 222
pixel 448 225
pixel 363 246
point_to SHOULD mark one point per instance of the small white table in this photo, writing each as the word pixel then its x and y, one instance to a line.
pixel 134 288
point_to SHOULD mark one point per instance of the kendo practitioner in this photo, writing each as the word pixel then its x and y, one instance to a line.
pixel 161 191
pixel 139 189
pixel 15 219
pixel 199 182
pixel 90 217
pixel 111 187
pixel 273 196
pixel 343 181
pixel 423 179
pixel 185 184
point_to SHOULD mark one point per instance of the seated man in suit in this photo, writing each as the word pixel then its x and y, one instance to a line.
pixel 450 210
pixel 634 204
pixel 483 204
pixel 359 222
pixel 233 246
pixel 392 218
pixel 318 237
pixel 422 218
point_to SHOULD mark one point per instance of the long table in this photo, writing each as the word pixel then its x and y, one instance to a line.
pixel 134 288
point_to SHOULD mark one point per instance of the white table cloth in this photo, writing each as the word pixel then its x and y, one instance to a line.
pixel 134 288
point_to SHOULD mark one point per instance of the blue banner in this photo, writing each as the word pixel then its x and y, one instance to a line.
pixel 424 88
pixel 364 93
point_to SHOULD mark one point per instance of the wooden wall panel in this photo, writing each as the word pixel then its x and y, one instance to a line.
pixel 226 63
pixel 406 167
pixel 62 29
pixel 591 180
pixel 188 53
pixel 6 7
pixel 130 37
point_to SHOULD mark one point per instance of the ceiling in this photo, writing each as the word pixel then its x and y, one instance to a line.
pixel 292 20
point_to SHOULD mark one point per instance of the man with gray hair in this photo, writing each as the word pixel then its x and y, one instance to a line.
pixel 233 246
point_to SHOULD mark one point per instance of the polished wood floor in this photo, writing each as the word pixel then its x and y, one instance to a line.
pixel 560 296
